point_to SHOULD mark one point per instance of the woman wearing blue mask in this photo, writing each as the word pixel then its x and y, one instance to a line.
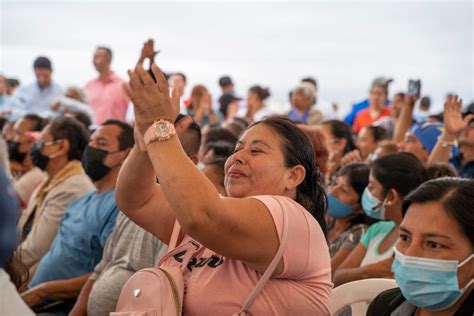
pixel 349 222
pixel 434 260
pixel 391 178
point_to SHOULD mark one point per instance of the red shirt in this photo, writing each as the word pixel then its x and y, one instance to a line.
pixel 107 98
pixel 364 119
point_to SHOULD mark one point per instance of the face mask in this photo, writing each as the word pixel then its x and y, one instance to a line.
pixel 14 153
pixel 93 162
pixel 428 283
pixel 337 208
pixel 37 158
pixel 371 207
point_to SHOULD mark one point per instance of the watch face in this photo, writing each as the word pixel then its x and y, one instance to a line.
pixel 162 129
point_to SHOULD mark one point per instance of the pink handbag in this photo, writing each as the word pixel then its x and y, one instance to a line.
pixel 159 291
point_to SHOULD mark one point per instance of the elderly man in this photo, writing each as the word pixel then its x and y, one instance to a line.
pixel 303 110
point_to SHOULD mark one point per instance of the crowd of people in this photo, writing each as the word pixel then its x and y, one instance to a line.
pixel 101 181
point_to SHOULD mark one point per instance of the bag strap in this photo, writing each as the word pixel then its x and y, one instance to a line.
pixel 191 248
pixel 271 268
pixel 174 236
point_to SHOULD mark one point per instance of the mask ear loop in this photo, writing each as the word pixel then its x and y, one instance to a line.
pixel 385 202
pixel 460 265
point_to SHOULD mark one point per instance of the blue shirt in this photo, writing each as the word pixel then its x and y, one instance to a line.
pixel 295 117
pixel 464 171
pixel 356 108
pixel 78 246
pixel 31 99
pixel 4 101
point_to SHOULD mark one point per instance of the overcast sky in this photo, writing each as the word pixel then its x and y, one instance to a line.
pixel 343 44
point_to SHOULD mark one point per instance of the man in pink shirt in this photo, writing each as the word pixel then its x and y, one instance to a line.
pixel 105 93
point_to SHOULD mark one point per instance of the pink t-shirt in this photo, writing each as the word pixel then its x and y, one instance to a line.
pixel 107 98
pixel 218 285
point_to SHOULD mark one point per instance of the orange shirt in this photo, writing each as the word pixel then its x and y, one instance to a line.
pixel 364 119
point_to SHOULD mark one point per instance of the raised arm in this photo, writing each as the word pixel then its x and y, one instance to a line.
pixel 404 120
pixel 230 227
pixel 140 197
pixel 453 125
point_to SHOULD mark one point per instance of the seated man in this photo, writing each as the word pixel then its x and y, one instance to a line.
pixel 87 222
pixel 27 177
pixel 129 247
pixel 421 139
pixel 58 153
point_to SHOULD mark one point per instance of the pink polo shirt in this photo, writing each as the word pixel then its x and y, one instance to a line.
pixel 107 98
pixel 217 285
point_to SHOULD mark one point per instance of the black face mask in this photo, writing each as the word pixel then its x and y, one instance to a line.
pixel 14 153
pixel 37 158
pixel 93 163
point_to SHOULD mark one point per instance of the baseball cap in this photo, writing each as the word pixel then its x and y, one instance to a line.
pixel 427 133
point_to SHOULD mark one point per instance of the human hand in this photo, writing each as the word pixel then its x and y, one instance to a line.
pixel 55 106
pixel 411 99
pixel 151 100
pixel 176 94
pixel 350 157
pixel 35 295
pixel 232 109
pixel 380 269
pixel 148 50
pixel 453 121
pixel 16 167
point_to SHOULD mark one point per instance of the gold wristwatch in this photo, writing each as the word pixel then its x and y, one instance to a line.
pixel 159 131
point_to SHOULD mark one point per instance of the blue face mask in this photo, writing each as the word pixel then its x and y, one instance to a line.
pixel 337 208
pixel 372 206
pixel 428 283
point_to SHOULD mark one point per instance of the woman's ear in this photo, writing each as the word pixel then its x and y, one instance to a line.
pixel 392 197
pixel 295 177
pixel 64 147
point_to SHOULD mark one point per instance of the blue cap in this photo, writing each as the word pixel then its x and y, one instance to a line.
pixel 427 133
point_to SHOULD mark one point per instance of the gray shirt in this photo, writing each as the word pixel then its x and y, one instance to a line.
pixel 128 249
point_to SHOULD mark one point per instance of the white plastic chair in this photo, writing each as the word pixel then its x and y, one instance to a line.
pixel 358 295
